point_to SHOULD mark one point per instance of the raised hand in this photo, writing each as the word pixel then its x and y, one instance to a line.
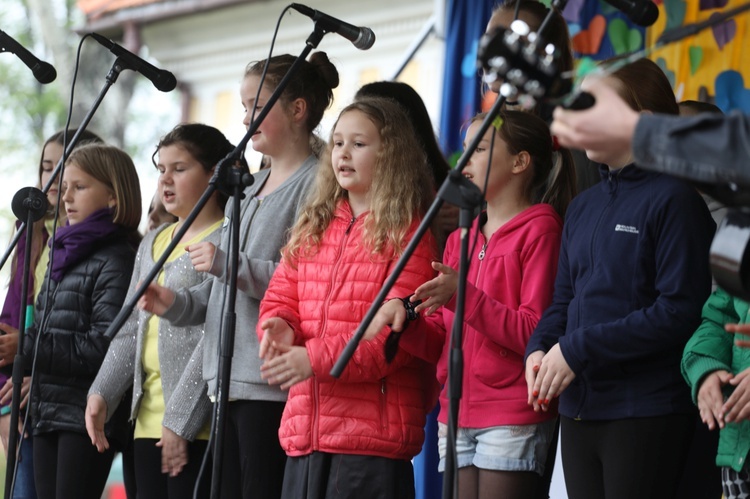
pixel 438 291
pixel 157 299
pixel 392 313
pixel 202 255
pixel 276 332
pixel 290 366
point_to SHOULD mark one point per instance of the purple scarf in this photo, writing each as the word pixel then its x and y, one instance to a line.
pixel 74 243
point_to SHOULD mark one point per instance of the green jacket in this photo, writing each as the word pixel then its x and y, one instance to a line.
pixel 710 349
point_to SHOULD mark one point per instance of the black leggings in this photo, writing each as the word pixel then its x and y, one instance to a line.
pixel 66 465
pixel 253 460
pixel 625 458
pixel 153 484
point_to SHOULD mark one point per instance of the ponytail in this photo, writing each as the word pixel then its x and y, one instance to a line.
pixel 560 187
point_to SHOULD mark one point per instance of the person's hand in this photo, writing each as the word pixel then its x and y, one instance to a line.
pixel 533 364
pixel 737 406
pixel 202 255
pixel 96 415
pixel 6 392
pixel 276 332
pixel 710 398
pixel 608 125
pixel 392 313
pixel 174 452
pixel 8 344
pixel 741 329
pixel 553 377
pixel 156 299
pixel 289 367
pixel 438 291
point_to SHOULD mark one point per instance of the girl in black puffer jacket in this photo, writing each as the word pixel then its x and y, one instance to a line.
pixel 88 279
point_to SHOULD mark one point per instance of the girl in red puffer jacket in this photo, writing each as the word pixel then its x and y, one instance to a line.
pixel 353 436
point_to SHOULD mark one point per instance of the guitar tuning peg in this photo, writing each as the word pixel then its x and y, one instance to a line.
pixel 516 77
pixel 520 27
pixel 534 88
pixel 508 91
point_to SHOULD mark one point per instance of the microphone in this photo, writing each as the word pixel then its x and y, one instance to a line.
pixel 361 37
pixel 641 12
pixel 162 79
pixel 43 71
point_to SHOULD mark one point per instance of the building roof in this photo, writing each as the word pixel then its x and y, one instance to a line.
pixel 112 14
pixel 95 8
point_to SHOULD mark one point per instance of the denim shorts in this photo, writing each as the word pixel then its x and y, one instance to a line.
pixel 500 448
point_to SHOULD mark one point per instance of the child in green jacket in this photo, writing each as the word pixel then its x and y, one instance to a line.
pixel 718 372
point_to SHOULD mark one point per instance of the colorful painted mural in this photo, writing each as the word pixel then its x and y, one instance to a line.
pixel 710 66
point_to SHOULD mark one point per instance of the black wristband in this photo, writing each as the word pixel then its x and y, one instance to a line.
pixel 411 313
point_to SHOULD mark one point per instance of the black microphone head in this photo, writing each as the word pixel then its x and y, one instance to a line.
pixel 44 72
pixel 166 82
pixel 365 40
pixel 644 14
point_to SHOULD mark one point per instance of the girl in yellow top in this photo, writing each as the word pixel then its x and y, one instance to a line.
pixel 162 362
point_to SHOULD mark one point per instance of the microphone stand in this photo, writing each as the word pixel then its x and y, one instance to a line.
pixel 232 182
pixel 29 203
pixel 459 191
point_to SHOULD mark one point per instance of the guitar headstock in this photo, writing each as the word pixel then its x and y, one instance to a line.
pixel 522 69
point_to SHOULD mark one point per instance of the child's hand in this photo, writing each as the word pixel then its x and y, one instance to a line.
pixel 157 299
pixel 391 313
pixel 438 291
pixel 710 398
pixel 202 255
pixel 742 329
pixel 737 406
pixel 96 414
pixel 276 331
pixel 533 363
pixel 554 376
pixel 288 368
pixel 8 344
pixel 174 452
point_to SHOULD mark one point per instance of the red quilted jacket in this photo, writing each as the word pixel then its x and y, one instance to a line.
pixel 374 408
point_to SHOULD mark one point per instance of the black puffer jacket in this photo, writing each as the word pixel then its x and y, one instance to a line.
pixel 73 341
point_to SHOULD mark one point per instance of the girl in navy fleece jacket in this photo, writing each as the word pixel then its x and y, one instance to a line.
pixel 632 278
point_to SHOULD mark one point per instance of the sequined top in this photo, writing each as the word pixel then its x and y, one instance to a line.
pixel 180 351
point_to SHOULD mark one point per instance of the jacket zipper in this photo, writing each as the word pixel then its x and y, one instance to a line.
pixel 614 184
pixel 316 401
pixel 482 254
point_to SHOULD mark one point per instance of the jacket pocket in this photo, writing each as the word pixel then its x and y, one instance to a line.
pixel 496 366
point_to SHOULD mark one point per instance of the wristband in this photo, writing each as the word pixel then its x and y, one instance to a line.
pixel 391 343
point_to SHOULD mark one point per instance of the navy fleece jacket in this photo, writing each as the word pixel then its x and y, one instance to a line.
pixel 632 278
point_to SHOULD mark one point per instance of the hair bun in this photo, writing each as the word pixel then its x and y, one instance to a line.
pixel 326 68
